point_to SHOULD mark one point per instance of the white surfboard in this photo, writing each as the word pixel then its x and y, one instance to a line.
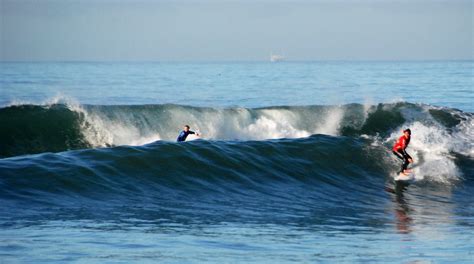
pixel 192 137
pixel 405 177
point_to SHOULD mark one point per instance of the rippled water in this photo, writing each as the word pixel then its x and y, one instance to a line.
pixel 444 83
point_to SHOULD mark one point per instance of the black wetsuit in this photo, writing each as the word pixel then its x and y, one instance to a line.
pixel 403 155
pixel 183 135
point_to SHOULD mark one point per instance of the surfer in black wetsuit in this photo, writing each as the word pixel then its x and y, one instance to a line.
pixel 185 133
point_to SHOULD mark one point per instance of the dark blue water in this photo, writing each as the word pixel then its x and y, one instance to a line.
pixel 294 162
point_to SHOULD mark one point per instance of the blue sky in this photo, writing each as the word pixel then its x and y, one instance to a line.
pixel 112 30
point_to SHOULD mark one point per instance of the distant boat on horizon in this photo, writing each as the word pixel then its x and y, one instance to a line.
pixel 276 57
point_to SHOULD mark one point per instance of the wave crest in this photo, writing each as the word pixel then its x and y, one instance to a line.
pixel 58 127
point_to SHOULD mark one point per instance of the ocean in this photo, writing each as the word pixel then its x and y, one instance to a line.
pixel 294 162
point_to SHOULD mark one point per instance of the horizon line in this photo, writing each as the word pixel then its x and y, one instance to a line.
pixel 233 61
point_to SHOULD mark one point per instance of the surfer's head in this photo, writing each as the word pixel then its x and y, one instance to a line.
pixel 407 132
pixel 186 128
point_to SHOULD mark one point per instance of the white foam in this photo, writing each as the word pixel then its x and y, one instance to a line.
pixel 332 122
pixel 101 131
pixel 242 124
pixel 464 134
pixel 274 124
pixel 238 124
pixel 430 148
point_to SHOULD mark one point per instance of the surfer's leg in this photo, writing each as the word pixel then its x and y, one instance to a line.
pixel 405 164
pixel 400 156
pixel 406 161
pixel 408 156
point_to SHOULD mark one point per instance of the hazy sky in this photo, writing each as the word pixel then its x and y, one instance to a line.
pixel 236 30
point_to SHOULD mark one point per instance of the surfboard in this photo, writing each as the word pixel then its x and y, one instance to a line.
pixel 192 137
pixel 405 177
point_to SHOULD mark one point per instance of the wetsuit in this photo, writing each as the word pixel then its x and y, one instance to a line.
pixel 399 151
pixel 183 135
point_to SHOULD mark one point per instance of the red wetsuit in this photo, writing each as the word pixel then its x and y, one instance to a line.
pixel 402 143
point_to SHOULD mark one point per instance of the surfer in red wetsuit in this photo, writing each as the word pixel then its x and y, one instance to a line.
pixel 399 150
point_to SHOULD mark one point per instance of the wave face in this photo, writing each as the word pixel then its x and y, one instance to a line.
pixel 29 129
pixel 162 171
pixel 355 148
pixel 326 181
pixel 197 167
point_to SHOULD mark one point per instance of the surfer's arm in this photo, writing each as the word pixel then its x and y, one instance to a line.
pixel 194 133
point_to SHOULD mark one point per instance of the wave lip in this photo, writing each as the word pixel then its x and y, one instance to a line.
pixel 30 129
